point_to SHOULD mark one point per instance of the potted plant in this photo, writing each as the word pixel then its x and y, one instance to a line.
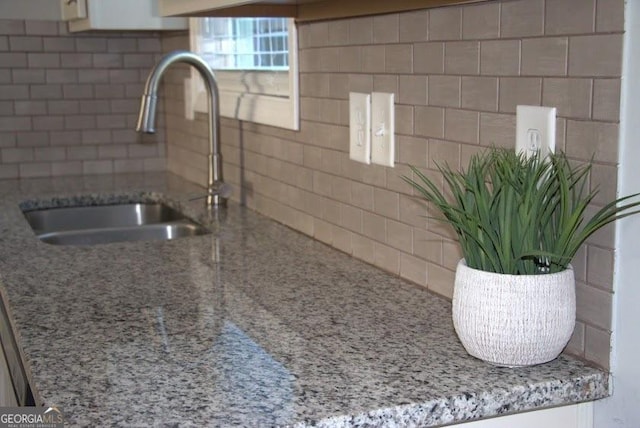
pixel 519 221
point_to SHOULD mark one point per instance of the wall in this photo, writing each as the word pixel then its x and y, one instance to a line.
pixel 458 74
pixel 68 102
pixel 621 409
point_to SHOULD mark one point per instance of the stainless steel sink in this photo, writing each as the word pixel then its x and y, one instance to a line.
pixel 103 224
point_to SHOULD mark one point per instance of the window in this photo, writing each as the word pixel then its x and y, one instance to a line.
pixel 254 60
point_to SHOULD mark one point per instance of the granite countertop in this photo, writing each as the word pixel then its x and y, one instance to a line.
pixel 253 325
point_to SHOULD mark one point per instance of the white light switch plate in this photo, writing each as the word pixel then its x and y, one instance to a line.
pixel 360 127
pixel 535 130
pixel 382 129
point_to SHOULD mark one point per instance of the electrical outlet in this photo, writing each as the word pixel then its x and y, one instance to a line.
pixel 360 127
pixel 535 130
pixel 382 129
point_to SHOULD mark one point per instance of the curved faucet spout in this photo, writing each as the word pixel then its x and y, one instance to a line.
pixel 147 116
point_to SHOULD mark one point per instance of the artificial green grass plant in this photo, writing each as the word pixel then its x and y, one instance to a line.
pixel 519 215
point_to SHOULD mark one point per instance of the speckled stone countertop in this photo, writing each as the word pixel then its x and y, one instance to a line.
pixel 253 325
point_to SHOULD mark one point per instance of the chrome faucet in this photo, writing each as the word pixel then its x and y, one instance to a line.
pixel 217 190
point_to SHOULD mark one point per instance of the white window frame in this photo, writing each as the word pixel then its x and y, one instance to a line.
pixel 266 97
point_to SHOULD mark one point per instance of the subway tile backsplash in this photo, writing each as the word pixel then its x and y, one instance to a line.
pixel 457 73
pixel 68 105
pixel 68 102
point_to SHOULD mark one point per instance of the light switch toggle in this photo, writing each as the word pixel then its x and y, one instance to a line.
pixel 360 127
pixel 382 138
pixel 535 130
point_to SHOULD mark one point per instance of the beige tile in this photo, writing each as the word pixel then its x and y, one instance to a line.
pixel 597 346
pixel 429 121
pixel 563 17
pixel 362 195
pixel 330 211
pixel 9 171
pixel 66 168
pixel 593 306
pixel 386 83
pixel 440 280
pixel 413 268
pixel 561 134
pixel 318 34
pixel 373 59
pixel 360 83
pixel 480 93
pixel 604 237
pixel 519 90
pixel 314 85
pixel 606 99
pixel 37 169
pixel 610 15
pixel 413 210
pixel 467 151
pixel 341 239
pixel 363 248
pixel 545 57
pixel 399 235
pixel 387 258
pixel 322 183
pixel 374 226
pixel 350 59
pixel 462 57
pixel 600 267
pixel 361 31
pixel 597 139
pixel 604 180
pixel 398 58
pixel 413 150
pixel 395 182
pixel 427 245
pixel 338 85
pixel 521 18
pixel 500 57
pixel 414 26
pixel 596 55
pixel 576 343
pixel 97 167
pixel 428 58
pixel 341 189
pixel 404 120
pixel 386 28
pixel 451 254
pixel 338 32
pixel 351 218
pixel 572 97
pixel 413 90
pixel 444 153
pixel 497 130
pixel 444 91
pixel 481 21
pixel 461 125
pixel 445 23
pixel 386 203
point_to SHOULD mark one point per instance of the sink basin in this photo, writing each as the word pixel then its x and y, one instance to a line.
pixel 103 224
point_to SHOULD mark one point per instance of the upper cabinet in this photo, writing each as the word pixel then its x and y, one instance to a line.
pixel 83 15
pixel 302 10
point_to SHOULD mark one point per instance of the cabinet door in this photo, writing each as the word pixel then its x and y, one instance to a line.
pixel 84 15
pixel 73 9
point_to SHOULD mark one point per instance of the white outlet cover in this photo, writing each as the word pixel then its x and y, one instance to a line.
pixel 360 127
pixel 535 130
pixel 382 128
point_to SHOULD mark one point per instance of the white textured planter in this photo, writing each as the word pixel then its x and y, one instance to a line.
pixel 513 320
